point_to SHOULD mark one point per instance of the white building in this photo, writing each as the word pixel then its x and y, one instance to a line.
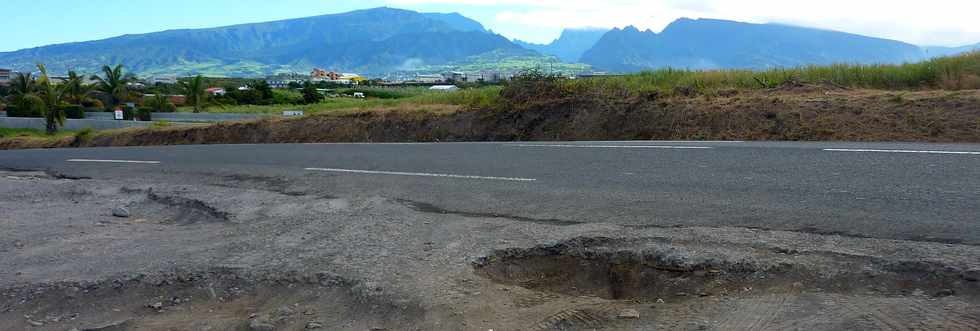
pixel 428 79
pixel 5 76
pixel 447 88
pixel 162 80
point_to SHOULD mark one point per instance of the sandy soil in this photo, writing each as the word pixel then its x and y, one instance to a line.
pixel 240 257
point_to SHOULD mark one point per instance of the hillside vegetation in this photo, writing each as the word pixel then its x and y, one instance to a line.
pixel 950 73
pixel 935 101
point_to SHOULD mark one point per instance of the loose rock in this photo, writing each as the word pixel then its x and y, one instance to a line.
pixel 257 325
pixel 314 325
pixel 629 314
pixel 945 293
pixel 120 212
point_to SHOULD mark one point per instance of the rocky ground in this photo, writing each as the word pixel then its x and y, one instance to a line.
pixel 241 254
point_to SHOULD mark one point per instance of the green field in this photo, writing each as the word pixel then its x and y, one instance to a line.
pixel 376 98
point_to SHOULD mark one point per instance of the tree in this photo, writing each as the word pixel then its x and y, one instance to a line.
pixel 310 94
pixel 75 90
pixel 50 96
pixel 195 89
pixel 23 93
pixel 160 104
pixel 264 89
pixel 114 84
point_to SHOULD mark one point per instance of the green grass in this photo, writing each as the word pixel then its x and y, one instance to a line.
pixel 10 133
pixel 378 98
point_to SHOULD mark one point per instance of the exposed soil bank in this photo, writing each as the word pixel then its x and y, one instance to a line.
pixel 803 113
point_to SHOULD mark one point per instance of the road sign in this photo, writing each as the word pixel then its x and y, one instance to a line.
pixel 118 115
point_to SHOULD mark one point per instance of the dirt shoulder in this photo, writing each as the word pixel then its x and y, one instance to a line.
pixel 236 257
pixel 789 113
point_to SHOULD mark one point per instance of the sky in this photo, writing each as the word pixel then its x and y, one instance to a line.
pixel 31 23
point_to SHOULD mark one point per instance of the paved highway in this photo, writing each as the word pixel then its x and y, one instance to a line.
pixel 925 192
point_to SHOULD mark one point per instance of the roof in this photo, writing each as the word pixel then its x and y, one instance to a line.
pixel 444 87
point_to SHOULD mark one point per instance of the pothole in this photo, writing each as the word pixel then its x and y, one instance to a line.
pixel 220 299
pixel 178 210
pixel 611 274
pixel 609 269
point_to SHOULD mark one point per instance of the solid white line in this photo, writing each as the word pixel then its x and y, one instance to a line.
pixel 899 151
pixel 420 174
pixel 113 161
pixel 611 146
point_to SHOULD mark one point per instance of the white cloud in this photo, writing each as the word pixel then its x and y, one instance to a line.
pixel 939 22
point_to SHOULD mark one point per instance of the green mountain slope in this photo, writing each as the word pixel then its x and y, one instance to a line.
pixel 366 41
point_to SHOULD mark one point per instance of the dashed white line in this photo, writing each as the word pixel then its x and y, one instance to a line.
pixel 113 161
pixel 899 151
pixel 421 174
pixel 611 146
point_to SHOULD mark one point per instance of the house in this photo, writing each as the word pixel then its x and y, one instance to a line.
pixel 428 79
pixel 320 75
pixel 177 99
pixel 216 91
pixel 454 76
pixel 491 77
pixel 447 88
pixel 352 77
pixel 162 80
pixel 282 83
pixel 5 76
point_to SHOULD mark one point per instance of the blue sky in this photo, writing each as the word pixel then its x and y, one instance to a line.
pixel 938 22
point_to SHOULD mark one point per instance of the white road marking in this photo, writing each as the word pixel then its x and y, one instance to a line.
pixel 113 161
pixel 420 174
pixel 898 151
pixel 611 146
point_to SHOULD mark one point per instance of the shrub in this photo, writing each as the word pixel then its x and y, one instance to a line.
pixel 144 114
pixel 129 113
pixel 73 111
pixel 14 111
pixel 161 124
pixel 84 136
pixel 93 104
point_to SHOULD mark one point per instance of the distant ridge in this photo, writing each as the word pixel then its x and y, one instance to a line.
pixel 570 46
pixel 714 44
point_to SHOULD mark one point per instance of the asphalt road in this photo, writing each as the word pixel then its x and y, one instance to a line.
pixel 924 192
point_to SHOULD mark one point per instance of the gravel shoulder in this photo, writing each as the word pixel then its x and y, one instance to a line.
pixel 241 256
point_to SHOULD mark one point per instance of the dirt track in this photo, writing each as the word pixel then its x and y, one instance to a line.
pixel 199 257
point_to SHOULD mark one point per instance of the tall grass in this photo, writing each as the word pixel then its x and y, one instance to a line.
pixel 952 73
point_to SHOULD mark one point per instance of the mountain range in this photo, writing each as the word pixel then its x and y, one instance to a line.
pixel 715 44
pixel 384 40
pixel 570 46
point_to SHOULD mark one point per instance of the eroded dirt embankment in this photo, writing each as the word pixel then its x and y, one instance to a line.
pixel 806 113
pixel 244 256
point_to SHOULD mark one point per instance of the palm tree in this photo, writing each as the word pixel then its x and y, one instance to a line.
pixel 23 93
pixel 114 84
pixel 195 89
pixel 50 96
pixel 75 90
